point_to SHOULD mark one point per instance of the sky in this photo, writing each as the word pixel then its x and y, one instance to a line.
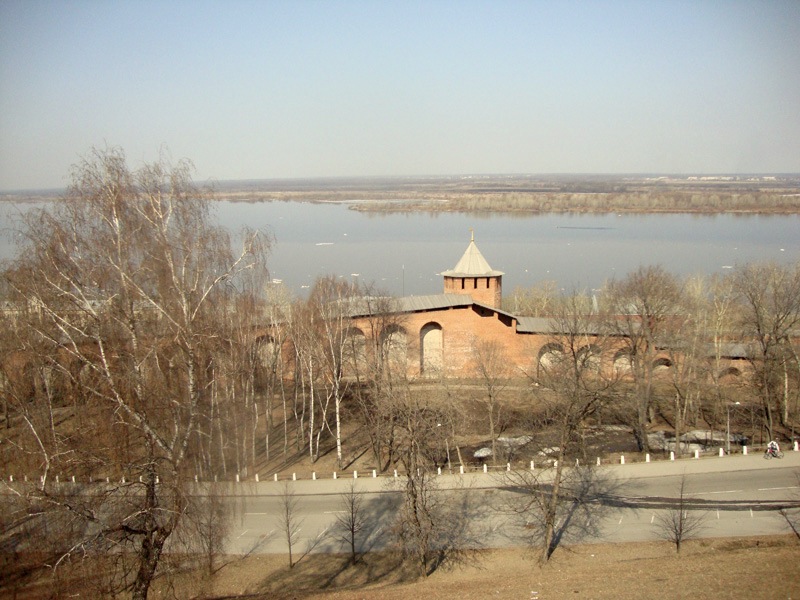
pixel 295 89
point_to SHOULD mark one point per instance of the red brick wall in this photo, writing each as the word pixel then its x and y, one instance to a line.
pixel 486 290
pixel 461 329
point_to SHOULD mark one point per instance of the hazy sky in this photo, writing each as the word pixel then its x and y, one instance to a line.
pixel 302 89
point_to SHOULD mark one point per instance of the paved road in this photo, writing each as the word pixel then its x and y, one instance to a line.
pixel 738 495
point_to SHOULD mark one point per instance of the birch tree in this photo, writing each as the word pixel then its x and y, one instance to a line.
pixel 125 279
pixel 330 301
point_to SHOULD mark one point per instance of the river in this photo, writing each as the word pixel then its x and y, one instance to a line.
pixel 404 253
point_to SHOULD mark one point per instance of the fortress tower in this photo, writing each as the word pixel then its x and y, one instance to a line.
pixel 473 276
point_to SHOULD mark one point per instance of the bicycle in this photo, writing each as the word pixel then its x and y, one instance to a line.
pixel 773 454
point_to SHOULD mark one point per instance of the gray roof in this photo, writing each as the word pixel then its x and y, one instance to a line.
pixel 433 302
pixel 536 325
pixel 732 350
pixel 548 325
pixel 472 264
pixel 373 305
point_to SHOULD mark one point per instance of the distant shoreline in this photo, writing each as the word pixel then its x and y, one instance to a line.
pixel 522 194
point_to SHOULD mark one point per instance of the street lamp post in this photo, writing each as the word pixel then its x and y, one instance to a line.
pixel 728 437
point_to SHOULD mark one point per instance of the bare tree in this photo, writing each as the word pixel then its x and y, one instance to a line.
pixel 574 385
pixel 685 343
pixel 637 309
pixel 274 361
pixel 207 531
pixel 123 281
pixel 547 514
pixel 290 523
pixel 680 522
pixel 419 528
pixel 351 521
pixel 770 296
pixel 331 304
pixel 718 319
pixel 378 380
pixel 491 363
pixel 306 376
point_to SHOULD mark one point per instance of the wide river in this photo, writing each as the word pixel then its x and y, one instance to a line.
pixel 404 253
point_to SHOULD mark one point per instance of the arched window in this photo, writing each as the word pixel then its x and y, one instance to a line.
pixel 267 352
pixel 394 346
pixel 354 355
pixel 661 365
pixel 550 355
pixel 623 362
pixel 589 357
pixel 730 374
pixel 431 352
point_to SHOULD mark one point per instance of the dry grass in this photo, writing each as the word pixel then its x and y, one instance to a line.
pixel 760 568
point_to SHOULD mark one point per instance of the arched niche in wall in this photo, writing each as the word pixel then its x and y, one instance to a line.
pixel 431 348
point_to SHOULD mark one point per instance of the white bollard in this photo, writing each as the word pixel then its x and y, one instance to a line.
pixel 237 478
pixel 744 450
pixel 577 462
pixel 395 473
pixel 721 452
pixel 313 475
pixel 622 459
pixel 195 479
pixel 598 461
pixel 294 476
pixel 256 477
pixel 672 455
pixel 355 474
pixel 485 468
pixel 531 465
pixel 508 466
pixel 73 479
pixel 796 446
pixel 334 474
pixel 374 473
pixel 697 453
pixel 461 469
pixel 438 470
pixel 647 457
pixel 275 477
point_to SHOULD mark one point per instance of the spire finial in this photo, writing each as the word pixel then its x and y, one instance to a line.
pixel 471 234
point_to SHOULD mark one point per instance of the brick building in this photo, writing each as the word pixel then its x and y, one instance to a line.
pixel 438 334
pixel 441 334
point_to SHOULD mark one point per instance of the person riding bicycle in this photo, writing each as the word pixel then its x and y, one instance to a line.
pixel 773 448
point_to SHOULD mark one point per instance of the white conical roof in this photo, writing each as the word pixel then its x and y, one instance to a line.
pixel 472 264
